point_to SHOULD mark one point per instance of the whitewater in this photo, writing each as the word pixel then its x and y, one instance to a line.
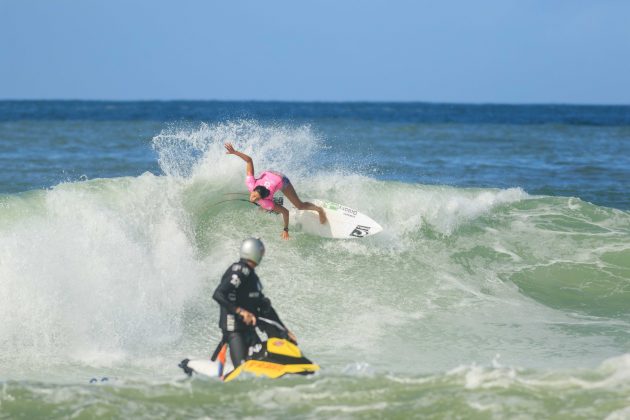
pixel 474 302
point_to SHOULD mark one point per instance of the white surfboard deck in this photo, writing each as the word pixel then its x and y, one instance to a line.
pixel 208 367
pixel 343 222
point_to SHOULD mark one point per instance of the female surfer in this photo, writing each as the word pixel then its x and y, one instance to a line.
pixel 262 189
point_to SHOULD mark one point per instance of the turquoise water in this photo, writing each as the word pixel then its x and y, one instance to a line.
pixel 492 292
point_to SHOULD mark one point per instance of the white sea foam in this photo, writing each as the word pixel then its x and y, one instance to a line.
pixel 197 151
pixel 612 374
pixel 104 268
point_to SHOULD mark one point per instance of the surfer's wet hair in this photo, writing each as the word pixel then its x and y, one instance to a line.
pixel 264 192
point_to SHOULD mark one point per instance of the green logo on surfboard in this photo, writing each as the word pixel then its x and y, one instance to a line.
pixel 330 205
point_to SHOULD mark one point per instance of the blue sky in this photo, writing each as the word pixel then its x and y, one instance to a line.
pixel 502 51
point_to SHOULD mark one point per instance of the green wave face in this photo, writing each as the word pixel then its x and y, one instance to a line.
pixel 106 263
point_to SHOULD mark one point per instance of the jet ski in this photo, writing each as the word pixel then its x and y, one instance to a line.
pixel 273 358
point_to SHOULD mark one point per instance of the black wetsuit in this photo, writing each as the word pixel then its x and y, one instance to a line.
pixel 241 287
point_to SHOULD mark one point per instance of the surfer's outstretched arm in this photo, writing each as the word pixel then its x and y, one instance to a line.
pixel 285 217
pixel 248 160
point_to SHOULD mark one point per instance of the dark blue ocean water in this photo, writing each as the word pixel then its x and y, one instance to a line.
pixel 559 150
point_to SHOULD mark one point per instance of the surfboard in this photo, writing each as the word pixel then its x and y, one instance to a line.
pixel 343 222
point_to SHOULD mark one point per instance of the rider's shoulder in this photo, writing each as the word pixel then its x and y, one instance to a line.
pixel 241 268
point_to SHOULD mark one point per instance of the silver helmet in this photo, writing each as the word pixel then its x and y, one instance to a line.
pixel 252 249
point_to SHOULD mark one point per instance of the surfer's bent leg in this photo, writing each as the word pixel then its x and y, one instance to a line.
pixel 289 192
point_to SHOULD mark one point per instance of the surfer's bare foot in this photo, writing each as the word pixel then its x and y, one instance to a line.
pixel 322 216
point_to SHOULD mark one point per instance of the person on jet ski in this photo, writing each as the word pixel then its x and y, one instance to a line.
pixel 241 299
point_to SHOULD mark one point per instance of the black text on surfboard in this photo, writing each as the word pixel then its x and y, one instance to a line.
pixel 360 231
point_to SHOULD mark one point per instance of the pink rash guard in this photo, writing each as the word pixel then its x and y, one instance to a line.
pixel 273 181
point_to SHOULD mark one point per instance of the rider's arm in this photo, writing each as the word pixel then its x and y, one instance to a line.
pixel 229 282
pixel 266 310
pixel 273 315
